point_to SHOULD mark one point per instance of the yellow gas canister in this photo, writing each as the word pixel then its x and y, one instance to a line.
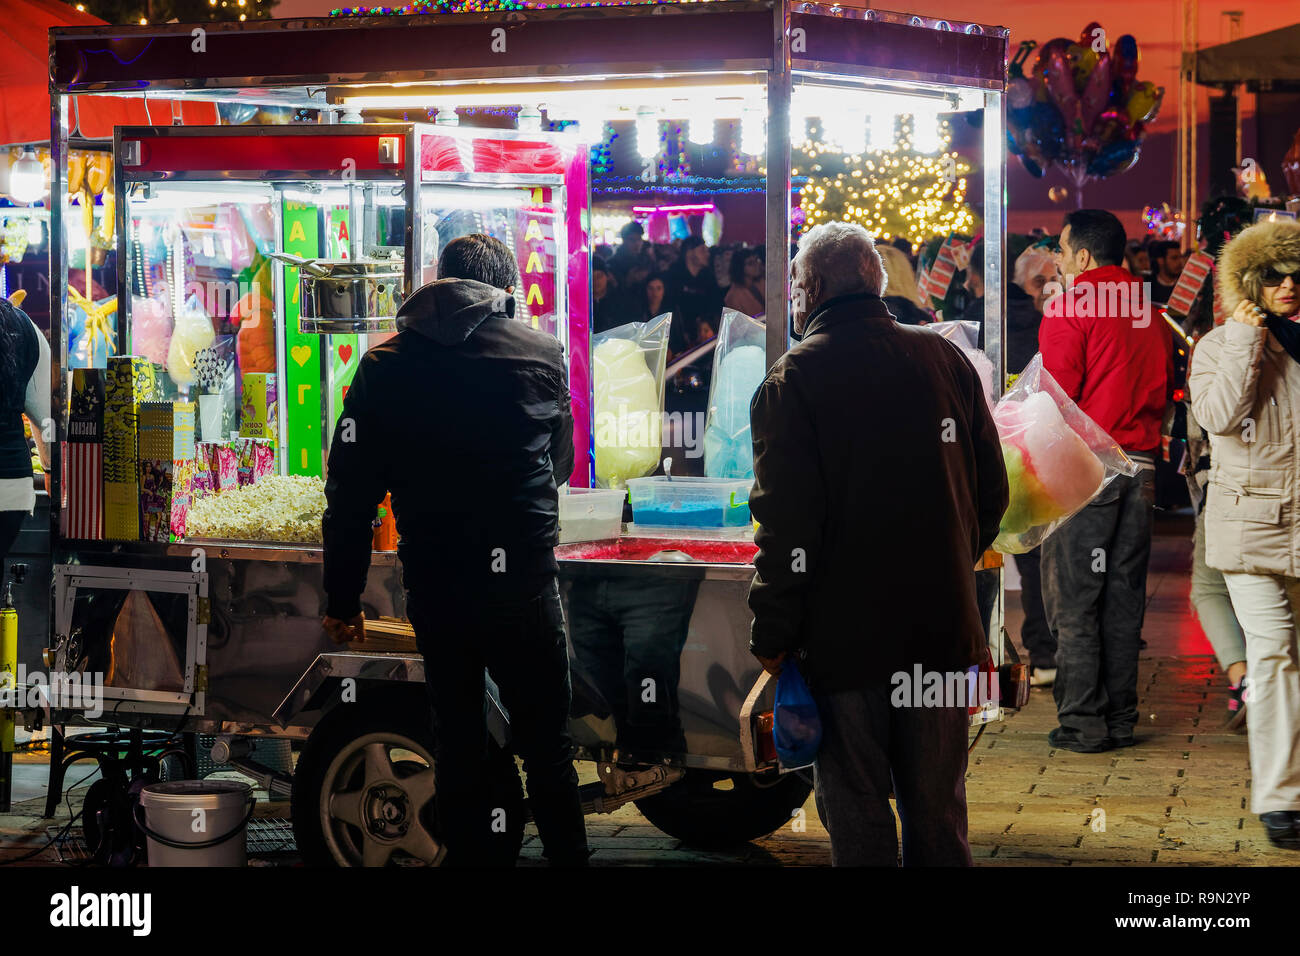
pixel 8 675
pixel 8 693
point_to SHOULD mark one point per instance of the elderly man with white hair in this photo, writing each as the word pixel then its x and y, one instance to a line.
pixel 878 484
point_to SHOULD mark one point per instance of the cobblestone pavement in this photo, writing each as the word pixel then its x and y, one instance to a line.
pixel 1180 796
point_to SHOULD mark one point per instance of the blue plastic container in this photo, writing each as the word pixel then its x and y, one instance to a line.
pixel 690 502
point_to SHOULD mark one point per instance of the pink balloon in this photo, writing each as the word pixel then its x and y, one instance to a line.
pixel 1096 91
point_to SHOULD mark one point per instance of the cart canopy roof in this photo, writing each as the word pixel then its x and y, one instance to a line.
pixel 1268 62
pixel 301 59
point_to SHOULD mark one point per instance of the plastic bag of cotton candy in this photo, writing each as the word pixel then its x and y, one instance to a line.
pixel 739 367
pixel 628 376
pixel 1058 459
pixel 966 336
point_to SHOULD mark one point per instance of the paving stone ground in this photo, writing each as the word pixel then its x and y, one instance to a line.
pixel 1180 797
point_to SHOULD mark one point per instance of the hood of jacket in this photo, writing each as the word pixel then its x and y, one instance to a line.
pixel 449 310
pixel 1252 252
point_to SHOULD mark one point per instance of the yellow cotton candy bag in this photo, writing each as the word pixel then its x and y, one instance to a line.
pixel 627 367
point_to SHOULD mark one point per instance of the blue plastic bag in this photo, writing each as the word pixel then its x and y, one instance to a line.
pixel 796 724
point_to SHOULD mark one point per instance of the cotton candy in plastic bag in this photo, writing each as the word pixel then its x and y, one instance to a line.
pixel 628 371
pixel 192 334
pixel 966 335
pixel 963 334
pixel 1057 458
pixel 739 367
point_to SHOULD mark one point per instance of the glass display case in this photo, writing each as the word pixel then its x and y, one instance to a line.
pixel 256 267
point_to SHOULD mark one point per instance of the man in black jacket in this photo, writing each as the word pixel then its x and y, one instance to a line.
pixel 878 484
pixel 464 416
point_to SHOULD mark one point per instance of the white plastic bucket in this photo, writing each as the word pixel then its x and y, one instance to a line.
pixel 197 822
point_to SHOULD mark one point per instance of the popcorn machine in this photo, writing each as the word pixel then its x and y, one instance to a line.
pixel 258 265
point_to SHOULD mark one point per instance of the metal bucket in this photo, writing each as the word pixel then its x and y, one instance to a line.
pixel 196 822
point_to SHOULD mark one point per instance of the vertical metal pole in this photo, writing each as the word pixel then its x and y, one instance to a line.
pixel 125 261
pixel 1193 124
pixel 279 300
pixel 995 291
pixel 777 295
pixel 58 301
pixel 995 236
pixel 327 414
pixel 1187 123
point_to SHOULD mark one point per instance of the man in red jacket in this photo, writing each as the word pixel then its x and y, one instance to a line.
pixel 1101 342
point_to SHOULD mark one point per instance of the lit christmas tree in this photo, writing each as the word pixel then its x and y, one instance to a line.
pixel 895 191
pixel 182 11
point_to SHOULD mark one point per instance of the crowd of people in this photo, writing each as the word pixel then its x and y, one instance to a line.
pixel 640 280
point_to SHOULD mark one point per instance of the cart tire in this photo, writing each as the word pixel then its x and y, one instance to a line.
pixel 335 788
pixel 699 812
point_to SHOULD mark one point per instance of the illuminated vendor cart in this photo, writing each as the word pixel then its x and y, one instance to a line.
pixel 271 258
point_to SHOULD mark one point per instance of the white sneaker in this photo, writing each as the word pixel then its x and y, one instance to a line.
pixel 1042 677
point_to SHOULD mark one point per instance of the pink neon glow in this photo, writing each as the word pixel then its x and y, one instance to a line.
pixel 702 207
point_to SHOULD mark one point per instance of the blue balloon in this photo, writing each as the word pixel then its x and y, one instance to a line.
pixel 1047 131
pixel 1114 158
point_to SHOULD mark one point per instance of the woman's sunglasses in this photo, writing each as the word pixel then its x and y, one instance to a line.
pixel 1273 278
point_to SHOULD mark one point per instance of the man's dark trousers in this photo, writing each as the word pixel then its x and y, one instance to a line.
pixel 1035 633
pixel 868 748
pixel 519 637
pixel 1094 589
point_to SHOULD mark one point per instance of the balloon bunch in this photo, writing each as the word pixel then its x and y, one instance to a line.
pixel 1080 107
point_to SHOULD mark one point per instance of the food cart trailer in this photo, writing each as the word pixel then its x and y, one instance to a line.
pixel 209 622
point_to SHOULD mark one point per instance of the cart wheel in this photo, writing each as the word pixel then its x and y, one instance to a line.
pixel 363 790
pixel 717 810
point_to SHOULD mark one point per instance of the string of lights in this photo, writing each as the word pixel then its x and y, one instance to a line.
pixel 722 185
pixel 426 7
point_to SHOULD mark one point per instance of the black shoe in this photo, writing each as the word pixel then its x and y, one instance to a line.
pixel 1122 740
pixel 1283 828
pixel 1064 740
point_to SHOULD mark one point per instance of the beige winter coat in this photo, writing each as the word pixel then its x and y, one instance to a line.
pixel 1245 392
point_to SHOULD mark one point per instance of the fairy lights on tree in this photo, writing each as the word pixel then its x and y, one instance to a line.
pixel 894 190
pixel 184 11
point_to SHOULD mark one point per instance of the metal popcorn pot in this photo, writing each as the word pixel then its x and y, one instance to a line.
pixel 347 295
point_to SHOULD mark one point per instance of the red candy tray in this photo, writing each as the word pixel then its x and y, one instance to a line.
pixel 642 549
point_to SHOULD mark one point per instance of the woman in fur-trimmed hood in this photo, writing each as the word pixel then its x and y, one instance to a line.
pixel 1250 255
pixel 1245 391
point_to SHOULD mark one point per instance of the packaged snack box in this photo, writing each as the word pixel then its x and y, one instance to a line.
pixel 259 408
pixel 165 499
pixel 86 410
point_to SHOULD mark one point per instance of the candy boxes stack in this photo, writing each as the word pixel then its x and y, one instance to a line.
pixel 129 380
pixel 83 458
pixel 166 468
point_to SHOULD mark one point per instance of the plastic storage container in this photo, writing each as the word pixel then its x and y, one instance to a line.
pixel 690 502
pixel 591 514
